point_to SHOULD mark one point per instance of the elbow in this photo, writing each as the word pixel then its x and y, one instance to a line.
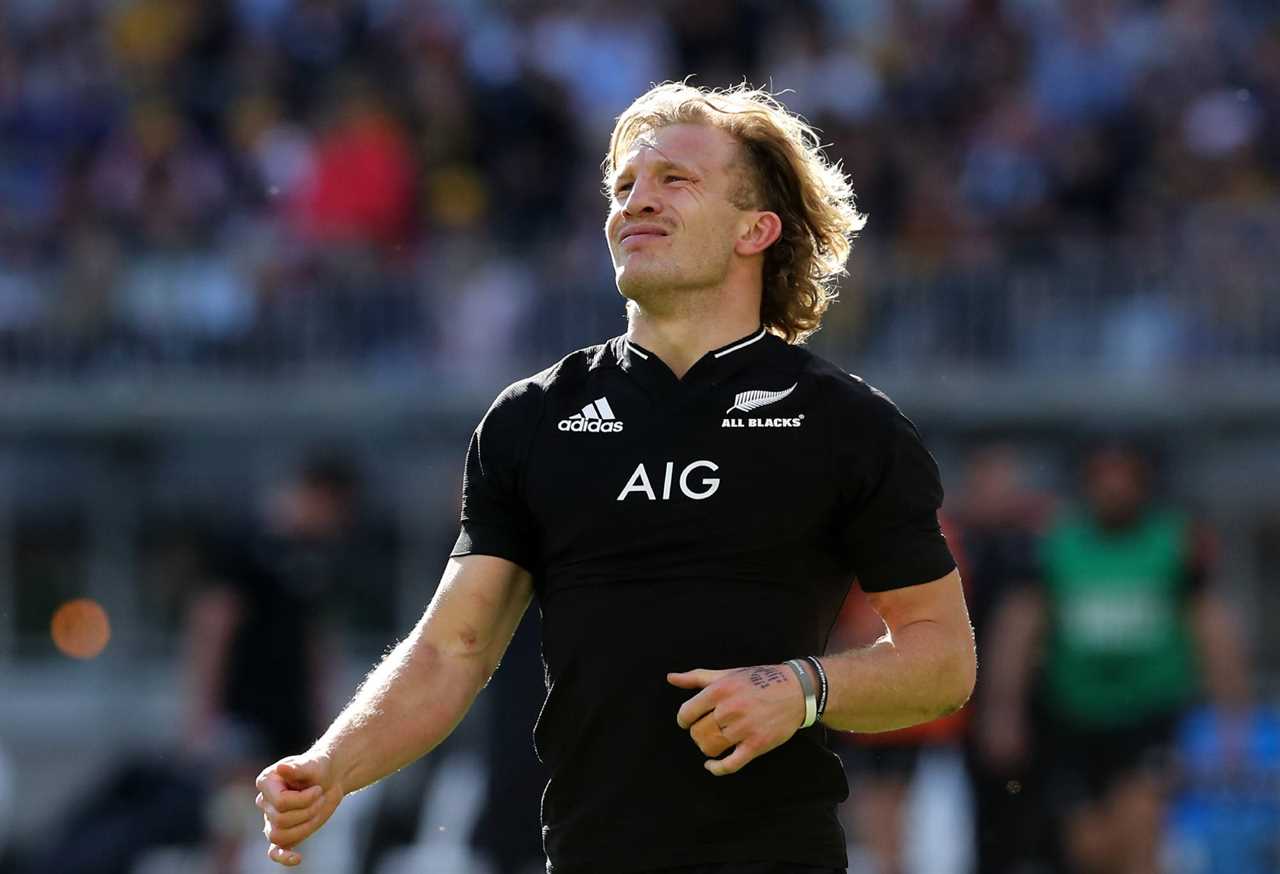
pixel 961 672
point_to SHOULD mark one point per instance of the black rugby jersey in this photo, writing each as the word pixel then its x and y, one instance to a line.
pixel 713 521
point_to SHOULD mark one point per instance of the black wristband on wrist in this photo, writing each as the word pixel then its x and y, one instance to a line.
pixel 822 683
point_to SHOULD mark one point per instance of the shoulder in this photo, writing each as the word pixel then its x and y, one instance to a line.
pixel 1067 528
pixel 524 399
pixel 850 399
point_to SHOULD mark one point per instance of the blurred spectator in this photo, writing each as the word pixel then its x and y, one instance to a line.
pixel 1128 627
pixel 254 688
pixel 360 185
pixel 298 557
pixel 997 525
pixel 1225 817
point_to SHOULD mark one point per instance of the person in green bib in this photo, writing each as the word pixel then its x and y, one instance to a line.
pixel 1127 633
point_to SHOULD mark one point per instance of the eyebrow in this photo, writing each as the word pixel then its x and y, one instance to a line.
pixel 662 163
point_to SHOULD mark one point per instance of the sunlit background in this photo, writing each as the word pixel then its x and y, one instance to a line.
pixel 264 263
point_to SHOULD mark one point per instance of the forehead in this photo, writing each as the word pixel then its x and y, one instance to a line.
pixel 701 147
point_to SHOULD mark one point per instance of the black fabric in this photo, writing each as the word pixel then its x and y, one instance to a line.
pixel 1087 765
pixel 269 684
pixel 713 521
pixel 749 868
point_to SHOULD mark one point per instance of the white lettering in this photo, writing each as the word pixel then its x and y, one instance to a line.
pixel 589 426
pixel 639 482
pixel 710 484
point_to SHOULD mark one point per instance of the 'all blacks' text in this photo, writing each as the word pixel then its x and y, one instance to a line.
pixel 794 422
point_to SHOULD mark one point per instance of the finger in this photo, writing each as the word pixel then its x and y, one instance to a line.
pixel 695 679
pixel 288 858
pixel 288 838
pixel 275 793
pixel 695 708
pixel 290 818
pixel 707 735
pixel 732 763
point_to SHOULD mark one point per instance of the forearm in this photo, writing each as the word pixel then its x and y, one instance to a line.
pixel 404 709
pixel 211 625
pixel 1224 665
pixel 1012 655
pixel 920 673
pixel 423 688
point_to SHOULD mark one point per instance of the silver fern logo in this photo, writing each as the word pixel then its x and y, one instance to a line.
pixel 746 401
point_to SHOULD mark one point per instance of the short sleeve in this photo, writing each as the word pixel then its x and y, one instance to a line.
pixel 495 518
pixel 889 522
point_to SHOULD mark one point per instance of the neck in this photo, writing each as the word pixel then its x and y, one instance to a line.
pixel 680 335
pixel 681 342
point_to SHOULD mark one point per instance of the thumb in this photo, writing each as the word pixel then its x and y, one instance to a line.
pixel 699 678
pixel 299 773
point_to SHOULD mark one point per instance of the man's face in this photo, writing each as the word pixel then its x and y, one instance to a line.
pixel 1115 483
pixel 672 223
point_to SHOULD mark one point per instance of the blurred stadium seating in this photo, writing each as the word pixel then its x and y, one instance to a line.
pixel 231 230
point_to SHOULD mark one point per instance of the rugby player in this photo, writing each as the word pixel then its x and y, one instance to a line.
pixel 689 503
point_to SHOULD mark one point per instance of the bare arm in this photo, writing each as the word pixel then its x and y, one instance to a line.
pixel 1011 660
pixel 423 688
pixel 211 623
pixel 922 668
pixel 406 706
pixel 1222 653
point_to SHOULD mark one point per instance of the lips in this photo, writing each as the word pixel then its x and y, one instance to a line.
pixel 645 230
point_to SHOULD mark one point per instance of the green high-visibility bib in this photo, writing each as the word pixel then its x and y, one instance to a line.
pixel 1119 646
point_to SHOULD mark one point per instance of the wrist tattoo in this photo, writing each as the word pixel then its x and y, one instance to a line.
pixel 764 676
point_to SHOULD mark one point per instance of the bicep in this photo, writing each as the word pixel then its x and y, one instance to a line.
pixel 477 607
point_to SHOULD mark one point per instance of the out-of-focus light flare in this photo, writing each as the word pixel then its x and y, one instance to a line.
pixel 80 628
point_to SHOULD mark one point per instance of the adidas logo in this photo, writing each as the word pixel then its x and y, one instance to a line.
pixel 596 418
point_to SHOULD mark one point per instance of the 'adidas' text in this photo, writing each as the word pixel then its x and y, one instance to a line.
pixel 596 418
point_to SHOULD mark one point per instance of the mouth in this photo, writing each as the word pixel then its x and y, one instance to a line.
pixel 641 232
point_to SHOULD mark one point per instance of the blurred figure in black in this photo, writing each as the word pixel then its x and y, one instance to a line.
pixel 258 688
pixel 997 526
pixel 255 686
pixel 253 681
pixel 1126 630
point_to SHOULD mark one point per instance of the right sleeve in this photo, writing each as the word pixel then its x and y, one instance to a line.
pixel 495 518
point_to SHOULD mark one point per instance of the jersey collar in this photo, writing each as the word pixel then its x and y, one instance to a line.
pixel 715 365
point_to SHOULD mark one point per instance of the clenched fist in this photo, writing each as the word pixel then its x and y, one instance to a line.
pixel 296 795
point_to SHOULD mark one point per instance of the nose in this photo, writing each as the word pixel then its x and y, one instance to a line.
pixel 642 199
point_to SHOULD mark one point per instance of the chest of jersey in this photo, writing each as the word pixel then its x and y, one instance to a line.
pixel 716 478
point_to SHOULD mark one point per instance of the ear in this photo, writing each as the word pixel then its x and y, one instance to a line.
pixel 763 232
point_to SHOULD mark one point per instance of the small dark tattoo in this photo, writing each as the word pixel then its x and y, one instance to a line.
pixel 764 676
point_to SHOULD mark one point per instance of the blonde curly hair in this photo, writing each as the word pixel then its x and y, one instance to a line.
pixel 784 171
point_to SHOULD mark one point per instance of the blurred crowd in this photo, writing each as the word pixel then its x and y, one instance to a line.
pixel 277 185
